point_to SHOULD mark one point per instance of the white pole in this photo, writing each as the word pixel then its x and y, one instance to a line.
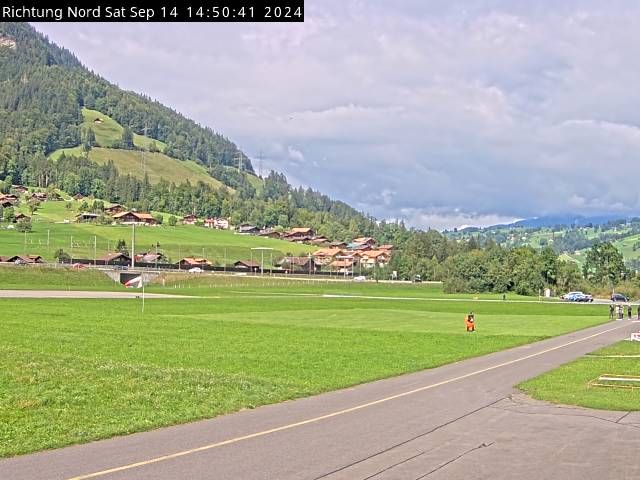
pixel 133 245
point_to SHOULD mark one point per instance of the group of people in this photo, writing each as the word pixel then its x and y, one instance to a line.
pixel 617 311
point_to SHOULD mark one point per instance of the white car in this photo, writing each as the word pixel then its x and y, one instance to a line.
pixel 195 270
pixel 360 278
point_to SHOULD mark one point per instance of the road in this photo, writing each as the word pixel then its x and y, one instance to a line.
pixel 460 421
pixel 82 294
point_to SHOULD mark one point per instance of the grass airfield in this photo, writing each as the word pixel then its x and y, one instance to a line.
pixel 79 370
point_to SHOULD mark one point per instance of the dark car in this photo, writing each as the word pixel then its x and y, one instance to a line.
pixel 618 297
pixel 417 279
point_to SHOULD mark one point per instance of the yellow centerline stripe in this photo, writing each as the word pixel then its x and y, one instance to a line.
pixel 333 414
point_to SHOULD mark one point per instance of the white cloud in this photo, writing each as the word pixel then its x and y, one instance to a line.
pixel 490 110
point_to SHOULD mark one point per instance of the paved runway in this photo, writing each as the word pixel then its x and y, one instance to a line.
pixel 460 421
pixel 81 294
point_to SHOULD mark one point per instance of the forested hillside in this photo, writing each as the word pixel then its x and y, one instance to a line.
pixel 43 88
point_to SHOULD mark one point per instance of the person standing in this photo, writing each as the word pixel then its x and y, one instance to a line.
pixel 612 311
pixel 629 312
pixel 470 322
pixel 639 311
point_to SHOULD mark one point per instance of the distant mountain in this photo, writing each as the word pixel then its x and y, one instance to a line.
pixel 568 220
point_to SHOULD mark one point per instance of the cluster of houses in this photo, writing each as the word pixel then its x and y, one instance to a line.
pixel 21 259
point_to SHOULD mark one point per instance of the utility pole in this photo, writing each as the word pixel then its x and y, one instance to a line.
pixel 133 245
pixel 71 248
pixel 95 249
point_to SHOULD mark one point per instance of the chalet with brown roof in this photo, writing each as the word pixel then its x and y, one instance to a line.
pixel 269 233
pixel 342 265
pixel 24 259
pixel 20 189
pixel 319 241
pixel 115 258
pixel 189 262
pixel 87 217
pixel 299 264
pixel 137 218
pixel 247 265
pixel 338 244
pixel 39 196
pixel 150 257
pixel 8 200
pixel 21 216
pixel 247 229
pixel 325 256
pixel 372 258
pixel 114 209
pixel 365 241
pixel 388 248
pixel 189 220
pixel 299 234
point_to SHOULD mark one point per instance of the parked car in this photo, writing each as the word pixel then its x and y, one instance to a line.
pixel 584 297
pixel 417 279
pixel 360 278
pixel 78 266
pixel 195 270
pixel 571 296
pixel 618 297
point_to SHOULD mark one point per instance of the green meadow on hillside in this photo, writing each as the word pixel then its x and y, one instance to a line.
pixel 50 233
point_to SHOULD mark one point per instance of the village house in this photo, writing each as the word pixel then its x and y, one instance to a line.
pixel 249 265
pixel 8 200
pixel 321 240
pixel 19 189
pixel 388 248
pixel 342 265
pixel 358 247
pixel 39 196
pixel 190 262
pixel 372 258
pixel 299 264
pixel 368 241
pixel 269 233
pixel 135 218
pixel 86 217
pixel 324 256
pixel 21 216
pixel 217 223
pixel 189 220
pixel 246 229
pixel 114 209
pixel 338 244
pixel 150 257
pixel 22 259
pixel 299 234
pixel 78 196
pixel 116 258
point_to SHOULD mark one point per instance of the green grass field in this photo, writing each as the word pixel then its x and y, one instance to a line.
pixel 570 384
pixel 54 278
pixel 78 370
pixel 50 234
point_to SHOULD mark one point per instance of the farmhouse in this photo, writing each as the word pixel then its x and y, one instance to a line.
pixel 87 217
pixel 338 244
pixel 137 218
pixel 368 241
pixel 218 223
pixel 299 234
pixel 372 258
pixel 19 189
pixel 116 258
pixel 189 262
pixel 22 259
pixel 39 196
pixel 8 200
pixel 246 229
pixel 150 258
pixel 388 248
pixel 190 220
pixel 321 240
pixel 299 264
pixel 21 216
pixel 114 209
pixel 325 256
pixel 269 233
pixel 247 265
pixel 342 265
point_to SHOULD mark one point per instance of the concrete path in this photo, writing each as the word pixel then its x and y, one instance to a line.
pixel 82 294
pixel 460 421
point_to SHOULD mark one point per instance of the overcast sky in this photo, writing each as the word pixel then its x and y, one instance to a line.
pixel 443 113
